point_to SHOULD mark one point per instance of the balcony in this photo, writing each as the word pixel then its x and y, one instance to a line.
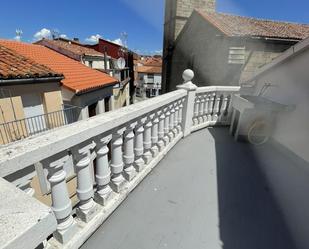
pixel 194 186
pixel 20 129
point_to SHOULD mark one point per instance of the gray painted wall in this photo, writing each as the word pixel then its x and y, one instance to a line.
pixel 289 181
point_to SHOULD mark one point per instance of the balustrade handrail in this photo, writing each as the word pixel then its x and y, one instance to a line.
pixel 218 88
pixel 126 144
pixel 26 152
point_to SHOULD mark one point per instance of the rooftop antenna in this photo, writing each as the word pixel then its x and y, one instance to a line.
pixel 55 33
pixel 19 33
pixel 124 38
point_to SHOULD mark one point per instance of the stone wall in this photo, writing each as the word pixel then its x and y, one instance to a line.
pixel 207 55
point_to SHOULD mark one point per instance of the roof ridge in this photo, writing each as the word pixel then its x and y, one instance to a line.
pixel 251 18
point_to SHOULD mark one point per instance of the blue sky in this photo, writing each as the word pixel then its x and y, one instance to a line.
pixel 141 19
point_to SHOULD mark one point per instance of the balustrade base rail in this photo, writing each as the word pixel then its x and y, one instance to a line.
pixel 113 152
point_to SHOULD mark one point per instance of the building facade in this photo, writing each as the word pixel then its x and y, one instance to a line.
pixel 86 88
pixel 149 77
pixel 96 60
pixel 227 49
pixel 177 13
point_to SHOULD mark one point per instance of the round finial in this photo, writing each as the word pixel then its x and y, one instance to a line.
pixel 187 75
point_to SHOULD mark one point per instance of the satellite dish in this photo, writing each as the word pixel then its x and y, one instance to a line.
pixel 121 63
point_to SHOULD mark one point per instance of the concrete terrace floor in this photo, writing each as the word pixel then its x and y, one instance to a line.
pixel 208 192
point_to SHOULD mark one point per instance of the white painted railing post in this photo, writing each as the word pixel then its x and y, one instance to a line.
pixel 117 164
pixel 176 107
pixel 188 75
pixel 129 171
pixel 223 109
pixel 179 118
pixel 166 125
pixel 206 104
pixel 61 203
pixel 161 130
pixel 217 107
pixel 147 140
pixel 211 106
pixel 171 124
pixel 201 109
pixel 85 193
pixel 103 172
pixel 154 136
pixel 139 163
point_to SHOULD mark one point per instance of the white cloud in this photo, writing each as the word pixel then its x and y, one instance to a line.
pixel 159 52
pixel 17 38
pixel 63 36
pixel 118 41
pixel 43 33
pixel 93 38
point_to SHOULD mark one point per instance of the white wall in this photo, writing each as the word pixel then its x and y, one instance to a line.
pixel 289 179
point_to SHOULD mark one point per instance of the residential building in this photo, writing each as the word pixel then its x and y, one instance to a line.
pixel 82 86
pixel 226 49
pixel 148 82
pixel 30 98
pixel 77 51
pixel 177 13
pixel 126 73
pixel 96 60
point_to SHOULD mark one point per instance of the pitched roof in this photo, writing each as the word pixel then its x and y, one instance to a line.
pixel 239 26
pixel 149 69
pixel 72 46
pixel 78 77
pixel 16 66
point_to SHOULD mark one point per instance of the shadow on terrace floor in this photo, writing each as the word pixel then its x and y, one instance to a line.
pixel 208 188
pixel 249 216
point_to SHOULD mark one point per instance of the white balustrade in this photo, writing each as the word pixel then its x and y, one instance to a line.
pixel 128 152
pixel 136 135
pixel 166 126
pixel 147 139
pixel 85 193
pixel 61 203
pixel 154 136
pixel 117 164
pixel 103 172
pixel 139 162
pixel 171 133
pixel 161 142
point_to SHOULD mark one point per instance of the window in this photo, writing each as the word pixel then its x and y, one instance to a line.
pixel 236 55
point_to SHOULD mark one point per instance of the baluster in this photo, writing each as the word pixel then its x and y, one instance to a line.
pixel 217 107
pixel 85 193
pixel 103 172
pixel 206 106
pixel 128 153
pixel 171 124
pixel 176 107
pixel 166 126
pixel 61 203
pixel 117 181
pixel 25 185
pixel 161 143
pixel 223 109
pixel 154 136
pixel 201 109
pixel 180 106
pixel 196 110
pixel 139 146
pixel 210 106
pixel 147 140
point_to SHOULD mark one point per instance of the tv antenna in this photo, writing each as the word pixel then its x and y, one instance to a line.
pixel 19 33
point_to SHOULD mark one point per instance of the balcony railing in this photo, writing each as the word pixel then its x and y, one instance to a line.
pixel 121 147
pixel 22 128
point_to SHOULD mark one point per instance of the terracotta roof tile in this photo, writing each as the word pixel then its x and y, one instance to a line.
pixel 71 46
pixel 16 66
pixel 149 69
pixel 78 77
pixel 232 25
